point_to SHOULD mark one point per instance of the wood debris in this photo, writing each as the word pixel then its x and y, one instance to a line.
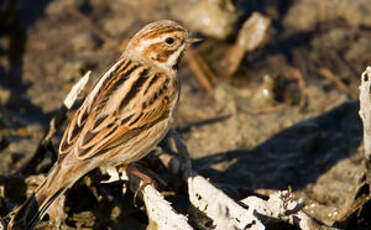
pixel 365 109
pixel 224 211
pixel 249 38
pixel 201 70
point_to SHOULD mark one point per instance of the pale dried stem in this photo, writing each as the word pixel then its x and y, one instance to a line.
pixel 282 206
pixel 160 213
pixel 249 38
pixel 225 212
pixel 362 195
pixel 365 110
pixel 76 90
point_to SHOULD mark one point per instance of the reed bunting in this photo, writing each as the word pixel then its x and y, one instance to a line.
pixel 128 112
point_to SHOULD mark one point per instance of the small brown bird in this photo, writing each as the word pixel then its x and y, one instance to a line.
pixel 128 112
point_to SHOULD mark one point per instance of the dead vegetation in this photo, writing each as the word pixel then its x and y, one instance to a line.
pixel 269 116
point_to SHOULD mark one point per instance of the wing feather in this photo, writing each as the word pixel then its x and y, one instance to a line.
pixel 95 129
pixel 111 136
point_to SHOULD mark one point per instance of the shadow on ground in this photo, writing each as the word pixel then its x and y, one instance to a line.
pixel 294 157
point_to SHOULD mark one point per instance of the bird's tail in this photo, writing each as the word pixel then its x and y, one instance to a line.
pixel 34 208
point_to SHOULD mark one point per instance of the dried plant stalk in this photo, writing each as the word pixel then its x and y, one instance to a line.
pixel 225 213
pixel 160 213
pixel 228 214
pixel 281 206
pixel 365 109
pixel 249 38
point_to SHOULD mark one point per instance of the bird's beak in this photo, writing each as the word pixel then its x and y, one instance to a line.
pixel 193 40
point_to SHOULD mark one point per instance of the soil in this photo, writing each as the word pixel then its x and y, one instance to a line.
pixel 247 135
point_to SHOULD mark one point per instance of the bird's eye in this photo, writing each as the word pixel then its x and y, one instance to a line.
pixel 169 40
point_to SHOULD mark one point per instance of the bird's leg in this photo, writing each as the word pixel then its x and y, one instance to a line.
pixel 146 180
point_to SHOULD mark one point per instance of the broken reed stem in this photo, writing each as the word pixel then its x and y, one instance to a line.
pixel 362 193
pixel 250 36
pixel 224 211
pixel 365 110
pixel 160 213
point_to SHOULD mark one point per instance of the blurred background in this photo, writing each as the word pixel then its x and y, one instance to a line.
pixel 269 97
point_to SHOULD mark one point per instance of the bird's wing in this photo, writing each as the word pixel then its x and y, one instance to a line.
pixel 97 127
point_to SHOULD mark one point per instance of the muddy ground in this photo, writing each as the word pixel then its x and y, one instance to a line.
pixel 298 128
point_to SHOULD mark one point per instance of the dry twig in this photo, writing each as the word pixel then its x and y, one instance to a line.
pixel 200 69
pixel 362 194
pixel 333 78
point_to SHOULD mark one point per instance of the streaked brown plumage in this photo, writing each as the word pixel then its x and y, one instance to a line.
pixel 125 116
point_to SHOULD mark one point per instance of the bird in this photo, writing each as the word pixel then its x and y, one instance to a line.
pixel 127 113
